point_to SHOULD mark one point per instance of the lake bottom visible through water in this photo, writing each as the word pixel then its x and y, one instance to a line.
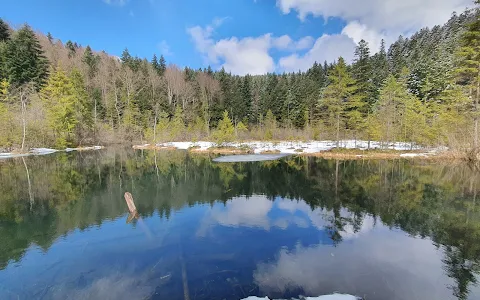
pixel 285 228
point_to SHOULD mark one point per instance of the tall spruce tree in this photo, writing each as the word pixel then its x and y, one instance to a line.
pixel 154 63
pixel 24 59
pixel 91 60
pixel 3 53
pixel 469 67
pixel 362 72
pixel 162 65
pixel 337 95
pixel 396 57
pixel 50 37
pixel 61 100
pixel 245 112
pixel 379 70
pixel 71 48
pixel 4 31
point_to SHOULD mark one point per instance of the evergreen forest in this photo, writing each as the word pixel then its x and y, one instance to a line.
pixel 424 88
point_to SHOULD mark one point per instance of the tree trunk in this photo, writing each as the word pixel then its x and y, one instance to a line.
pixel 336 178
pixel 155 128
pixel 30 194
pixel 24 122
pixel 475 139
pixel 338 130
pixel 116 103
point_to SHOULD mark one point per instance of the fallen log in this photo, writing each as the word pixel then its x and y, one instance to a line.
pixel 130 203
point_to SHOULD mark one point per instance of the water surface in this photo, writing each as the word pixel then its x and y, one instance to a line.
pixel 294 226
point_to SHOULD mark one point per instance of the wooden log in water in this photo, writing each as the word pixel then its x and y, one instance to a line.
pixel 130 203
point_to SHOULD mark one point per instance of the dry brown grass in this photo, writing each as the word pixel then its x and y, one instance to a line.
pixel 270 152
pixel 356 154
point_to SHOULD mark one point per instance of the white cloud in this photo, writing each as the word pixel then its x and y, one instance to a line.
pixel 248 55
pixel 255 212
pixel 245 56
pixel 379 15
pixel 304 43
pixel 327 47
pixel 239 211
pixel 285 42
pixel 372 263
pixel 358 32
pixel 164 48
pixel 370 20
pixel 251 212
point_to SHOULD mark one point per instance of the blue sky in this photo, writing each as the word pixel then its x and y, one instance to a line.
pixel 244 36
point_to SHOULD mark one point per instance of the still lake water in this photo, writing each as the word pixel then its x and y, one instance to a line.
pixel 296 226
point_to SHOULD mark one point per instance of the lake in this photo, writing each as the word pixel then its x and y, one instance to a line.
pixel 208 230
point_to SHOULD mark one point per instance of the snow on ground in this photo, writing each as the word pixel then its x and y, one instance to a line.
pixel 43 151
pixel 326 297
pixel 295 146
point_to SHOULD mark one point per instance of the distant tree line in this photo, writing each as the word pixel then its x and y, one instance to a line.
pixel 423 89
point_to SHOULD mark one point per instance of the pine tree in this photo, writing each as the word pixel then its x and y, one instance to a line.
pixel 244 109
pixel 399 112
pixel 396 58
pixel 379 70
pixel 362 72
pixel 4 31
pixel 83 107
pixel 71 49
pixel 127 59
pixel 50 37
pixel 91 61
pixel 154 63
pixel 3 53
pixel 270 125
pixel 269 95
pixel 177 127
pixel 469 68
pixel 209 70
pixel 225 131
pixel 162 65
pixel 338 94
pixel 24 59
pixel 60 100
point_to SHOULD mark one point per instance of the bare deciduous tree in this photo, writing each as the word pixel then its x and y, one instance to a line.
pixel 175 83
pixel 24 93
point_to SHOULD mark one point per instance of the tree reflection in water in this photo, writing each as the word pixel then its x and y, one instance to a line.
pixel 44 198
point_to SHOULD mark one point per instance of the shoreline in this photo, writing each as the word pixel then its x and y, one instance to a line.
pixel 351 150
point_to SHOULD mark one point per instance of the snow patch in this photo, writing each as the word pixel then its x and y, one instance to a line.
pixel 325 297
pixel 44 151
pixel 292 147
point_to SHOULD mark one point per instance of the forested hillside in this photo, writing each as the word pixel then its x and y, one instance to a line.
pixel 424 89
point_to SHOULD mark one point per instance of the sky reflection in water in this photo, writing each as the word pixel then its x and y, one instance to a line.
pixel 207 234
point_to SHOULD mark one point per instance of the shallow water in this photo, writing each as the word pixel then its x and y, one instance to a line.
pixel 293 226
